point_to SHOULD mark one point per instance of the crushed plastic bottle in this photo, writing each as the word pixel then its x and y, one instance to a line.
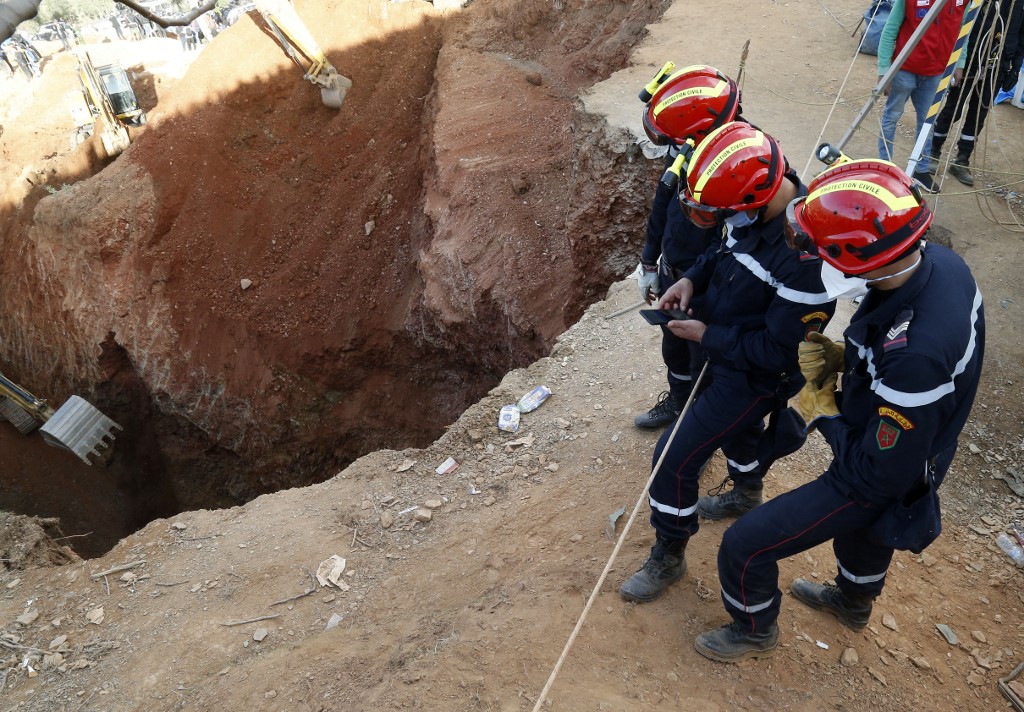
pixel 1014 530
pixel 1011 548
pixel 532 400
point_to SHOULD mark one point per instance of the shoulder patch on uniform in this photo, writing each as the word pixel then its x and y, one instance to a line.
pixel 886 435
pixel 816 316
pixel 896 337
pixel 900 419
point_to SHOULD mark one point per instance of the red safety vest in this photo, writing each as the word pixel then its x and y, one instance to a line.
pixel 931 55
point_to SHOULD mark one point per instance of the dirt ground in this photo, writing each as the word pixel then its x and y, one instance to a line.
pixel 461 589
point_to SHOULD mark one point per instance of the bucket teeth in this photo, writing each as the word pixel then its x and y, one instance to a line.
pixel 79 427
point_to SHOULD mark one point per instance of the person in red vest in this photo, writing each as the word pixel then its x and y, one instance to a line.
pixel 918 78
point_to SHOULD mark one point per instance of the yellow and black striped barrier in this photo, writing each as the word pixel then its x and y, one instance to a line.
pixel 940 93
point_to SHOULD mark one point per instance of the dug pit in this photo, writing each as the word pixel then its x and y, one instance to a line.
pixel 262 289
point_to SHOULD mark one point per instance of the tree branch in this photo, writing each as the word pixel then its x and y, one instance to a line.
pixel 13 13
pixel 169 21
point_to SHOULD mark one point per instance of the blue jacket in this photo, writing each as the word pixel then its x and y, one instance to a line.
pixel 759 299
pixel 671 235
pixel 913 361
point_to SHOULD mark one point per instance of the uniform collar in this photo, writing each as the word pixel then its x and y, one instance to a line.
pixel 773 230
pixel 876 310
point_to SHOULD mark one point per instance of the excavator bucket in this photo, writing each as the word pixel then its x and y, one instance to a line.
pixel 76 426
pixel 79 427
pixel 332 92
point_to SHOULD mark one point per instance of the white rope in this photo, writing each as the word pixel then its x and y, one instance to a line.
pixel 814 149
pixel 618 545
pixel 982 70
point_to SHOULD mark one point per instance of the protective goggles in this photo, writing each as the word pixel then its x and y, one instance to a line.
pixel 796 237
pixel 656 136
pixel 703 215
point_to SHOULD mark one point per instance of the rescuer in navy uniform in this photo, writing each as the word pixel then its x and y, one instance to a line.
pixel 753 302
pixel 910 369
pixel 687 106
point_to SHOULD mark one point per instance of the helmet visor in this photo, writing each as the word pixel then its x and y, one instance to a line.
pixel 657 137
pixel 796 237
pixel 703 216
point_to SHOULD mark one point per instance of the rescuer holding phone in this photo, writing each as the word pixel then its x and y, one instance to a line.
pixel 752 301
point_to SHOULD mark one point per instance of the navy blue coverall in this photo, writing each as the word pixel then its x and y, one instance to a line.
pixel 758 299
pixel 674 244
pixel 912 364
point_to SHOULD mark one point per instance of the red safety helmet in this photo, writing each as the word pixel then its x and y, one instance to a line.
pixel 736 168
pixel 859 216
pixel 690 104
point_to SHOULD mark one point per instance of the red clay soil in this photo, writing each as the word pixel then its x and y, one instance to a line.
pixel 403 252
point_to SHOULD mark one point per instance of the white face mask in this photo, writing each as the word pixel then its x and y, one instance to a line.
pixel 839 286
pixel 842 286
pixel 742 218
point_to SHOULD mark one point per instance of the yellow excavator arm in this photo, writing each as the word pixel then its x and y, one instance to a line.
pixel 298 43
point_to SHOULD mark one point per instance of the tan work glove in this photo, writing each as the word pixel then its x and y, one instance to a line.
pixel 816 401
pixel 820 356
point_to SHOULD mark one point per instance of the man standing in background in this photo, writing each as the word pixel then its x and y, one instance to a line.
pixel 989 69
pixel 918 78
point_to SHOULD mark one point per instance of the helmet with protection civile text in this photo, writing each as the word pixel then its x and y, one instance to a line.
pixel 735 168
pixel 689 104
pixel 859 216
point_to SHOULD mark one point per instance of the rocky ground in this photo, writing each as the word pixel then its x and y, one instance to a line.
pixel 460 589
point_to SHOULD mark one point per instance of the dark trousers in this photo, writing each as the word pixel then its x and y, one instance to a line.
pixel 978 100
pixel 796 521
pixel 727 414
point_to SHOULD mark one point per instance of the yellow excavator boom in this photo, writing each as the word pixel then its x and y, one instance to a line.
pixel 298 43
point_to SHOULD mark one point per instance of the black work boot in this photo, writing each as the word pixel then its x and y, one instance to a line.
pixel 665 566
pixel 732 643
pixel 665 411
pixel 739 500
pixel 960 168
pixel 933 164
pixel 926 181
pixel 853 611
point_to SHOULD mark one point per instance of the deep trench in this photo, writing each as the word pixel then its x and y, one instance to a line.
pixel 162 463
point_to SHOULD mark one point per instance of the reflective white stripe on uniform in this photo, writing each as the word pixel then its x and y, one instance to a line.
pixel 764 275
pixel 665 509
pixel 747 609
pixel 915 400
pixel 743 468
pixel 681 377
pixel 793 295
pixel 859 579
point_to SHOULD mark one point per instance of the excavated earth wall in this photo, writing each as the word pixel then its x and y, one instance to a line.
pixel 443 227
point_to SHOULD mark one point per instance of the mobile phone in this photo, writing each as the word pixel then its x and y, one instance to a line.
pixel 660 317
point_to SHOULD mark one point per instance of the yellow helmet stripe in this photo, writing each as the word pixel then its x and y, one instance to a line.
pixel 699 150
pixel 863 186
pixel 756 140
pixel 689 68
pixel 686 93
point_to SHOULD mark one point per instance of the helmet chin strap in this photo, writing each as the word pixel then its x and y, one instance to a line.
pixel 911 268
